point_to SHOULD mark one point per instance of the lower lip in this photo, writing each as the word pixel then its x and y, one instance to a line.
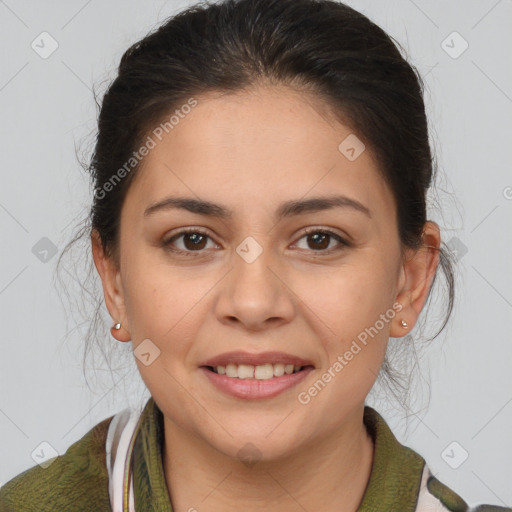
pixel 254 388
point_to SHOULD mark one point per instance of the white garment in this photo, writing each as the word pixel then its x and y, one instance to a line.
pixel 119 446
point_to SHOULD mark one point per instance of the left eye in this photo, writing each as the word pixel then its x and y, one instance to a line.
pixel 322 239
pixel 195 240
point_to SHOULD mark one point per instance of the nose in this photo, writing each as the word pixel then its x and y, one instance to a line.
pixel 255 293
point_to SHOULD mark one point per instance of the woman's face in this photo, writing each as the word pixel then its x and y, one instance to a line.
pixel 254 280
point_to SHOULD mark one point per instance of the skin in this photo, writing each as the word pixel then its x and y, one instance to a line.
pixel 249 152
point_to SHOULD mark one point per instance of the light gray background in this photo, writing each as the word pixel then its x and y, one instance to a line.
pixel 47 107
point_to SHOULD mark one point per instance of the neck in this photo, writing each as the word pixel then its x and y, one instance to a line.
pixel 330 474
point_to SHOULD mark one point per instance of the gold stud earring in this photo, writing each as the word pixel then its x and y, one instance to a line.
pixel 404 324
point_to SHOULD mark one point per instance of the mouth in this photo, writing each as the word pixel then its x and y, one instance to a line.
pixel 255 381
pixel 264 371
pixel 251 366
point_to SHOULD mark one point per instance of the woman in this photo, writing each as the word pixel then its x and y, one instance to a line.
pixel 259 226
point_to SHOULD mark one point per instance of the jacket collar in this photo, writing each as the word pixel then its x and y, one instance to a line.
pixel 393 485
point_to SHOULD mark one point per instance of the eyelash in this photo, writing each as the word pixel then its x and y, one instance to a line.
pixel 167 244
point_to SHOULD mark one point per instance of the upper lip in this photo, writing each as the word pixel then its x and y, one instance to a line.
pixel 240 357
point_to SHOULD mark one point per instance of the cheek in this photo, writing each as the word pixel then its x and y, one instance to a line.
pixel 153 300
pixel 353 312
pixel 163 302
pixel 160 308
pixel 351 297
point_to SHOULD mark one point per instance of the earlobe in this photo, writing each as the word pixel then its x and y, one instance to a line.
pixel 417 273
pixel 119 333
pixel 112 289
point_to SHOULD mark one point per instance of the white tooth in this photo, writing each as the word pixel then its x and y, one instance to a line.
pixel 245 371
pixel 264 372
pixel 279 369
pixel 231 370
pixel 261 372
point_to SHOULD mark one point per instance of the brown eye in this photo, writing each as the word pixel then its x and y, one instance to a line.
pixel 320 240
pixel 193 240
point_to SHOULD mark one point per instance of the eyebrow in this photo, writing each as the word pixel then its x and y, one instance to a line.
pixel 286 209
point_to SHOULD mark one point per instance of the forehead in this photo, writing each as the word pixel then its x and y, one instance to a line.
pixel 259 146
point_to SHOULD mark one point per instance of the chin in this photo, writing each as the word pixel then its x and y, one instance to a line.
pixel 251 448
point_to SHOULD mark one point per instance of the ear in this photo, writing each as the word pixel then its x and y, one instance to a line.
pixel 112 287
pixel 416 275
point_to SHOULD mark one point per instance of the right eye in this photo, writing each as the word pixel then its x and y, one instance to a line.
pixel 194 241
